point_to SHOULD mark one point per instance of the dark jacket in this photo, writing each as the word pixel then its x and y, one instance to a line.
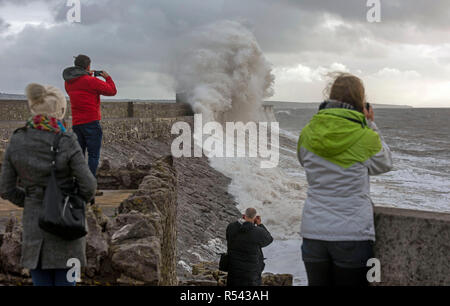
pixel 84 91
pixel 246 259
pixel 27 160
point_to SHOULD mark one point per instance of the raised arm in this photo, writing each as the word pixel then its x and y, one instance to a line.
pixel 105 88
pixel 382 161
pixel 264 237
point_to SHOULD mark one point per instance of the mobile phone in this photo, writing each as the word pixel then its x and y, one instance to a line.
pixel 368 106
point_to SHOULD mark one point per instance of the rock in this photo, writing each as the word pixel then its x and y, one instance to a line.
pixel 120 176
pixel 178 213
pixel 125 280
pixel 96 241
pixel 204 268
pixel 139 226
pixel 205 272
pixel 13 280
pixel 204 206
pixel 269 279
pixel 199 280
pixel 139 260
pixel 10 250
pixel 144 233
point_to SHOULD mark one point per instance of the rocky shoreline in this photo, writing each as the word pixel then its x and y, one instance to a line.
pixel 204 206
pixel 170 231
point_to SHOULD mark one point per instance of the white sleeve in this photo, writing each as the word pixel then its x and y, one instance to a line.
pixel 382 161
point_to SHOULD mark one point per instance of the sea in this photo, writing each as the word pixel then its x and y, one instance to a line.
pixel 419 139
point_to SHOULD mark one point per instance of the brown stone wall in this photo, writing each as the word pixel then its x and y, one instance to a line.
pixel 17 110
pixel 115 130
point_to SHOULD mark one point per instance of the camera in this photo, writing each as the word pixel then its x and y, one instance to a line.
pixel 97 73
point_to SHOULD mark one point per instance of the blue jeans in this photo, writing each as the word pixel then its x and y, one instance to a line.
pixel 50 277
pixel 90 137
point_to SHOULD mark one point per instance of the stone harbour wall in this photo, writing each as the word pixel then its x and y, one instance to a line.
pixel 17 110
pixel 121 121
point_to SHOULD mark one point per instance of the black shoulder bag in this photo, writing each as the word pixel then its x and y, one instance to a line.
pixel 224 262
pixel 63 213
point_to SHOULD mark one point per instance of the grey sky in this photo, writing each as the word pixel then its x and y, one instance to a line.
pixel 405 59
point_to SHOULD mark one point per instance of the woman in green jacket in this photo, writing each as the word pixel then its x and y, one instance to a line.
pixel 339 148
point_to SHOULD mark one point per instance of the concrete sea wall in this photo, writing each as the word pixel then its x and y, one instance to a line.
pixel 413 247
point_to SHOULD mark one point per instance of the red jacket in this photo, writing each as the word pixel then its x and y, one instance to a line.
pixel 84 92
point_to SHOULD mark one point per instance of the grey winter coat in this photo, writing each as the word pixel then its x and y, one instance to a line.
pixel 338 205
pixel 27 162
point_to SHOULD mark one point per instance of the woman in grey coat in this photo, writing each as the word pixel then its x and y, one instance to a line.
pixel 27 163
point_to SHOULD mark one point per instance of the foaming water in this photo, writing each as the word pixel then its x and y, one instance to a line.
pixel 225 77
pixel 223 73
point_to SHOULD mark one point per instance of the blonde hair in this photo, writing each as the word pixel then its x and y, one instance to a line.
pixel 347 88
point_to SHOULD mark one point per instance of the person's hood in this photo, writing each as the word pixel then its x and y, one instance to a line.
pixel 340 135
pixel 72 73
pixel 333 130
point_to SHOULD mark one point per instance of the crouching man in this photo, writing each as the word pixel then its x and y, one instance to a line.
pixel 245 240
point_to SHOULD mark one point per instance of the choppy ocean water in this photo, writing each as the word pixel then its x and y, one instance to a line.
pixel 420 143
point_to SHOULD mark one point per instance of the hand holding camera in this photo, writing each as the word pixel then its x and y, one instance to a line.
pixel 101 73
pixel 368 111
pixel 258 220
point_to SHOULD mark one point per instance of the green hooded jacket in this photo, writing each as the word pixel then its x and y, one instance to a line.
pixel 340 136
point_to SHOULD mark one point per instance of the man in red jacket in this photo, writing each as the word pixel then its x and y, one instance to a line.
pixel 84 91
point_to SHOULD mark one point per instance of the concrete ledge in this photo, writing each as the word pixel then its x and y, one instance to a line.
pixel 413 247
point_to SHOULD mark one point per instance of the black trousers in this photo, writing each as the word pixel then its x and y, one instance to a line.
pixel 336 263
pixel 329 274
pixel 243 279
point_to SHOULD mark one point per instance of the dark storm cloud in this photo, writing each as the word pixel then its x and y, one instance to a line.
pixel 3 25
pixel 132 39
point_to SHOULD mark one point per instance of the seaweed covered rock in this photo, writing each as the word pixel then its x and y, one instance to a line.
pixel 270 279
pixel 208 274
